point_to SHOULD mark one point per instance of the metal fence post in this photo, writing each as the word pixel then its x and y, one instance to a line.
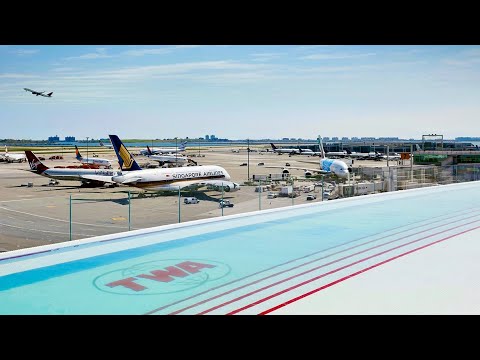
pixel 70 217
pixel 129 200
pixel 260 196
pixel 179 204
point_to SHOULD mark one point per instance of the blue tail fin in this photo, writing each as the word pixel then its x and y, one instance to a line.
pixel 125 159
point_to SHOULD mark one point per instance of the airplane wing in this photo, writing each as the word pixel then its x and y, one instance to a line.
pixel 100 178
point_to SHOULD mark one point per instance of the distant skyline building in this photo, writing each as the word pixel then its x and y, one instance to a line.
pixel 53 138
pixel 207 137
pixel 69 138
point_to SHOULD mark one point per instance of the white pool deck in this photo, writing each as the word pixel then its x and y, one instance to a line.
pixel 406 252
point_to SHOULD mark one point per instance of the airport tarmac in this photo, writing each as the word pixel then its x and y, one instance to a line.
pixel 40 214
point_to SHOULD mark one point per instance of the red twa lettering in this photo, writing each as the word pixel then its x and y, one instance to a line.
pixel 128 283
pixel 193 267
pixel 180 270
pixel 164 275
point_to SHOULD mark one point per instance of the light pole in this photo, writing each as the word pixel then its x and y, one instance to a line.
pixel 87 148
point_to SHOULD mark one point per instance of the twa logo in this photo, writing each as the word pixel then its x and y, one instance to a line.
pixel 161 277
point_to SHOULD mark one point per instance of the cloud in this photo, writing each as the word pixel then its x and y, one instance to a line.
pixel 99 54
pixel 157 51
pixel 23 52
pixel 266 56
pixel 338 56
pixel 465 58
pixel 17 76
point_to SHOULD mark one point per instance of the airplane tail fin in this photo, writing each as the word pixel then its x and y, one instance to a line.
pixel 273 146
pixel 125 159
pixel 101 143
pixel 35 164
pixel 50 94
pixel 77 154
pixel 182 146
pixel 417 147
pixel 149 152
pixel 6 150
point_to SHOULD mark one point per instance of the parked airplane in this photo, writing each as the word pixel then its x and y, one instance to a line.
pixel 41 93
pixel 327 166
pixel 94 161
pixel 170 150
pixel 169 179
pixel 372 155
pixel 13 157
pixel 393 156
pixel 90 177
pixel 290 151
pixel 176 159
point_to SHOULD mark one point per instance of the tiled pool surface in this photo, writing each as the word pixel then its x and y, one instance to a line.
pixel 253 263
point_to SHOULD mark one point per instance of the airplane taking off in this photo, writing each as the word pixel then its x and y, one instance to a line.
pixel 327 166
pixel 41 93
pixel 94 161
pixel 169 179
pixel 92 177
pixel 170 150
pixel 291 151
pixel 13 157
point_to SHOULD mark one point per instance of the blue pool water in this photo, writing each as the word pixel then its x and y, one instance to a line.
pixel 242 264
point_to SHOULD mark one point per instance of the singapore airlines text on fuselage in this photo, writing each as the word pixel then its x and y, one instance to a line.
pixel 197 174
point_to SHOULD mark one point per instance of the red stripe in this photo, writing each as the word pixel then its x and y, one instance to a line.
pixel 360 271
pixel 318 267
pixel 467 211
pixel 319 276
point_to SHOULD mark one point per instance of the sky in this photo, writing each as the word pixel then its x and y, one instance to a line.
pixel 239 91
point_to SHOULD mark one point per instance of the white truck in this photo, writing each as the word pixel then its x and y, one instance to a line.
pixel 286 190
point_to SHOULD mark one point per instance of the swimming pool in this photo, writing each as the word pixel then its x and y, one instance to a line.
pixel 240 264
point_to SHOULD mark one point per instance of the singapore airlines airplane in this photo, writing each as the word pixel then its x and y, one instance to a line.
pixel 169 179
pixel 13 157
pixel 327 166
pixel 94 161
pixel 41 93
pixel 170 150
pixel 94 177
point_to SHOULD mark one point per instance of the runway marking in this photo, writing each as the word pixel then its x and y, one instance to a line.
pixel 50 218
pixel 51 206
pixel 119 218
pixel 43 231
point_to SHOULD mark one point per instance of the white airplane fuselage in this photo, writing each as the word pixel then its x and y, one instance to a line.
pixel 96 161
pixel 172 178
pixel 76 174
